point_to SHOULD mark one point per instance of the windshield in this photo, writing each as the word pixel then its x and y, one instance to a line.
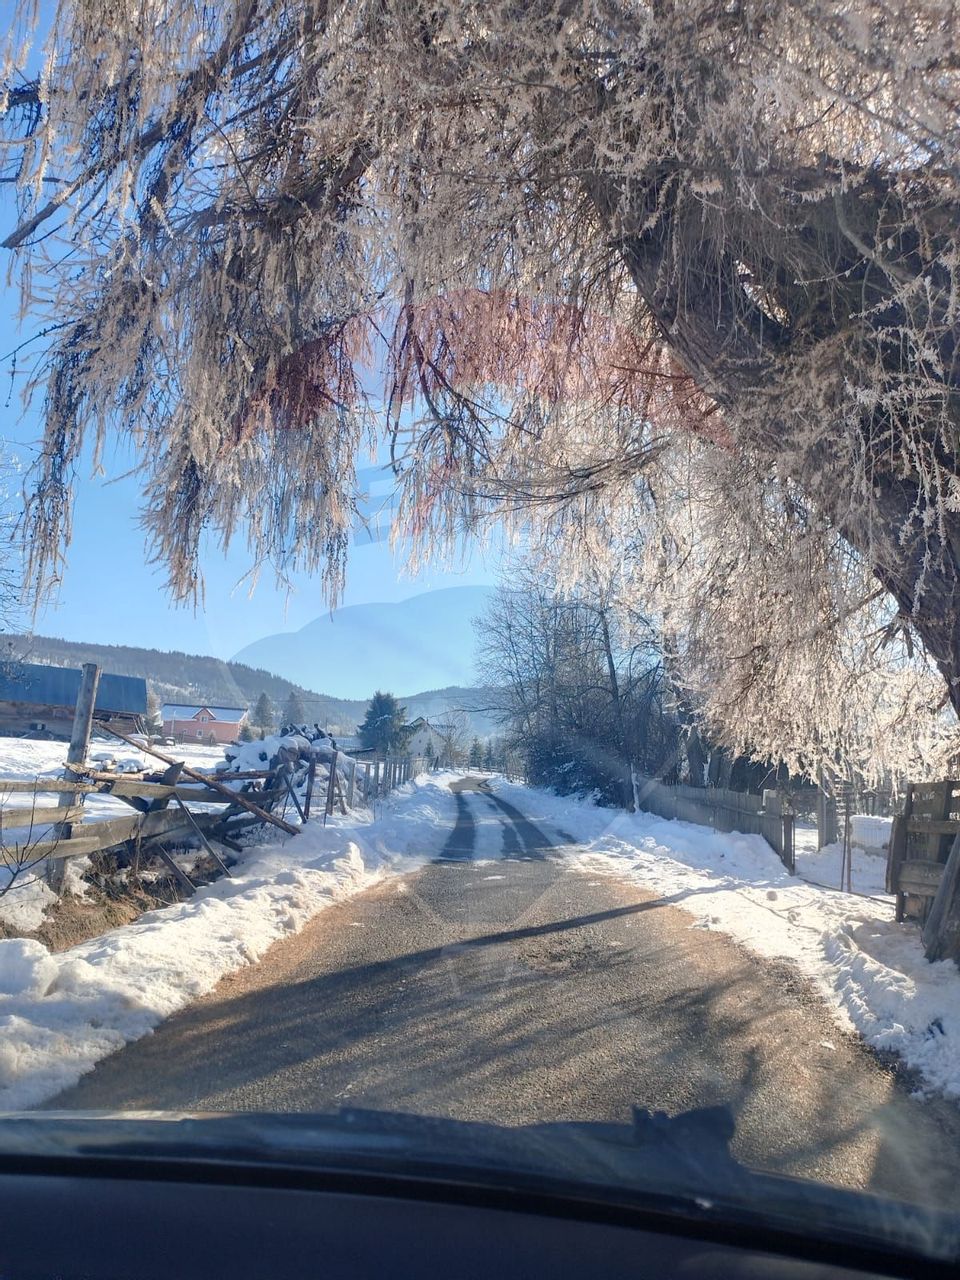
pixel 481 583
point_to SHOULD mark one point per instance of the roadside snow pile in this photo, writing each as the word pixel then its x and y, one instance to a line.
pixel 871 970
pixel 61 1012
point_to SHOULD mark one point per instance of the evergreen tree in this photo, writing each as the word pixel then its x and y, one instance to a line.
pixel 293 712
pixel 384 727
pixel 246 733
pixel 476 754
pixel 488 757
pixel 262 715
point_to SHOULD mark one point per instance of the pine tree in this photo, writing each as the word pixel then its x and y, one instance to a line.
pixel 293 712
pixel 262 715
pixel 246 733
pixel 384 726
pixel 476 754
pixel 488 758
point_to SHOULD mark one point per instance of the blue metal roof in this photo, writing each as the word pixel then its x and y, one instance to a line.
pixel 58 687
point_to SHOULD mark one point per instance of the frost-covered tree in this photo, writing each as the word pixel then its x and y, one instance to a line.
pixel 154 719
pixel 599 250
pixel 583 684
pixel 384 727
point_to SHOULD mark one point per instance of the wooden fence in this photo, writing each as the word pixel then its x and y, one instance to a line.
pixel 920 841
pixel 724 810
pixel 41 820
pixel 365 781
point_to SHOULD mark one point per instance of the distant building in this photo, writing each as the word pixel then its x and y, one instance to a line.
pixel 38 701
pixel 423 739
pixel 201 723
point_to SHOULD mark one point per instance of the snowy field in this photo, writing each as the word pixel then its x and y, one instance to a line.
pixel 870 970
pixel 60 1013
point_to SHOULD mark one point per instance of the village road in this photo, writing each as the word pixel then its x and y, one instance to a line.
pixel 496 984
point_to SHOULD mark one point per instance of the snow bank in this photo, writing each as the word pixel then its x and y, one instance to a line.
pixel 60 1013
pixel 870 970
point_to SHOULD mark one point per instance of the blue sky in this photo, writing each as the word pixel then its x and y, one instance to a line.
pixel 110 594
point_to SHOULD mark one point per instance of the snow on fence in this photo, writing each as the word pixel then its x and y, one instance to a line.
pixel 724 811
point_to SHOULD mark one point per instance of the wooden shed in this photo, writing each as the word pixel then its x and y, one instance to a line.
pixel 37 701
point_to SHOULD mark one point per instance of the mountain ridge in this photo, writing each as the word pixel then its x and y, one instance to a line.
pixel 425 638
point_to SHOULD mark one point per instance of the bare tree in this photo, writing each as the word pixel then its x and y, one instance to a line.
pixel 585 698
pixel 453 729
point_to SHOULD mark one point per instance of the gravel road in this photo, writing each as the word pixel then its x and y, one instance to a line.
pixel 513 990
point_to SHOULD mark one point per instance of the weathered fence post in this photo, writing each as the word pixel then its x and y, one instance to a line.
pixel 76 754
pixel 351 783
pixel 789 847
pixel 311 779
pixel 826 814
pixel 331 785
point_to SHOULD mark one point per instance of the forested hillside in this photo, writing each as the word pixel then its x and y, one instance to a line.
pixel 191 677
pixel 187 677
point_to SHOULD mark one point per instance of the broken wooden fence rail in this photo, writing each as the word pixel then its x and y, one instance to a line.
pixel 148 823
pixel 235 796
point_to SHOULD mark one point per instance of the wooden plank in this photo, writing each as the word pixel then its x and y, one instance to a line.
pixel 203 839
pixel 896 851
pixel 178 871
pixel 21 816
pixel 331 786
pixel 311 780
pixel 76 754
pixel 43 786
pixel 92 837
pixel 941 932
pixel 934 826
pixel 110 785
pixel 919 876
pixel 75 847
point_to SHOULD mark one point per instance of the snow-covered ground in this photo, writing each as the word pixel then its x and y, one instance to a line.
pixel 61 1012
pixel 823 867
pixel 871 970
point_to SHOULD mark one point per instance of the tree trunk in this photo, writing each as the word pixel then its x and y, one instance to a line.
pixel 737 354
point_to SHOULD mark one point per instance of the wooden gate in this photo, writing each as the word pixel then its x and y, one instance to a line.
pixel 920 843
